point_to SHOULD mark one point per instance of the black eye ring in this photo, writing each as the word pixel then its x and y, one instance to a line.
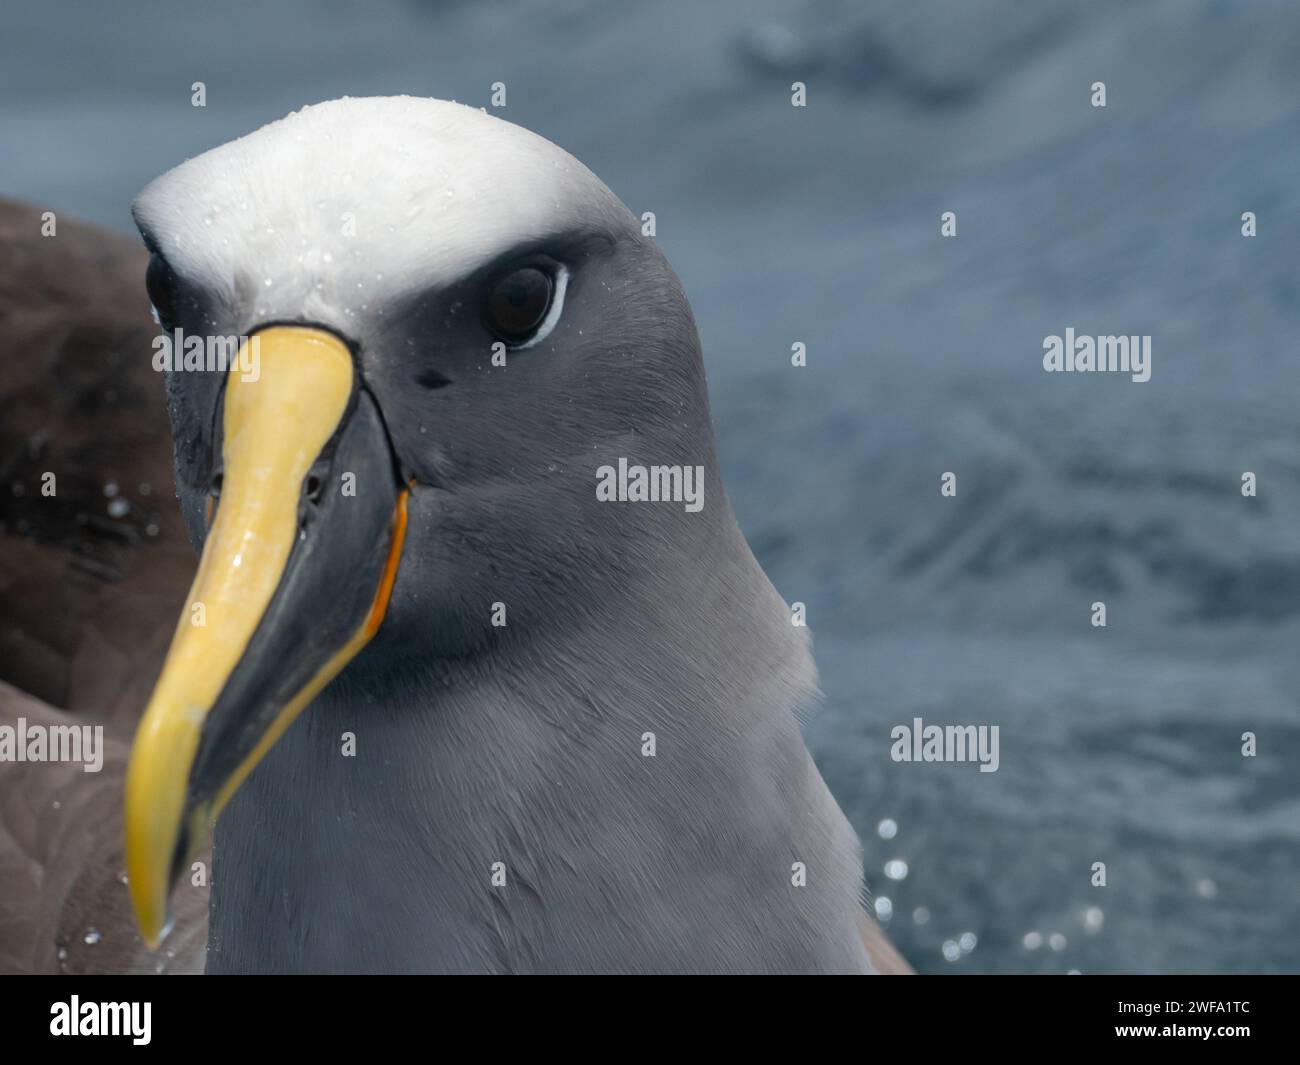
pixel 519 302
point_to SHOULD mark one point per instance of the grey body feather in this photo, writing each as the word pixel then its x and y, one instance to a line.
pixel 613 861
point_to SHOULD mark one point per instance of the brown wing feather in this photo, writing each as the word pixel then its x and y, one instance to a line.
pixel 89 593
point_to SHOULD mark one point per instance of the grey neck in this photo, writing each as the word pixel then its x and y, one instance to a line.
pixel 506 815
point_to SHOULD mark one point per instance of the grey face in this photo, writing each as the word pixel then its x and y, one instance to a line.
pixel 505 457
pixel 499 433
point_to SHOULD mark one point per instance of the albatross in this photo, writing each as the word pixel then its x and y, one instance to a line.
pixel 450 707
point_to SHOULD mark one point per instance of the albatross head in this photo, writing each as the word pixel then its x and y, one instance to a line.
pixel 450 325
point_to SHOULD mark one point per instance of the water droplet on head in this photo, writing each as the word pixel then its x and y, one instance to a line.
pixel 884 907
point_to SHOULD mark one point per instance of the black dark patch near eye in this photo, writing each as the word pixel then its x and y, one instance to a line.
pixel 161 283
pixel 518 303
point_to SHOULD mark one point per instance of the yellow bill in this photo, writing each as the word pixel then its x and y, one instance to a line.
pixel 293 581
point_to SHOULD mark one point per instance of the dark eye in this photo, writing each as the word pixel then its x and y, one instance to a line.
pixel 160 281
pixel 518 303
